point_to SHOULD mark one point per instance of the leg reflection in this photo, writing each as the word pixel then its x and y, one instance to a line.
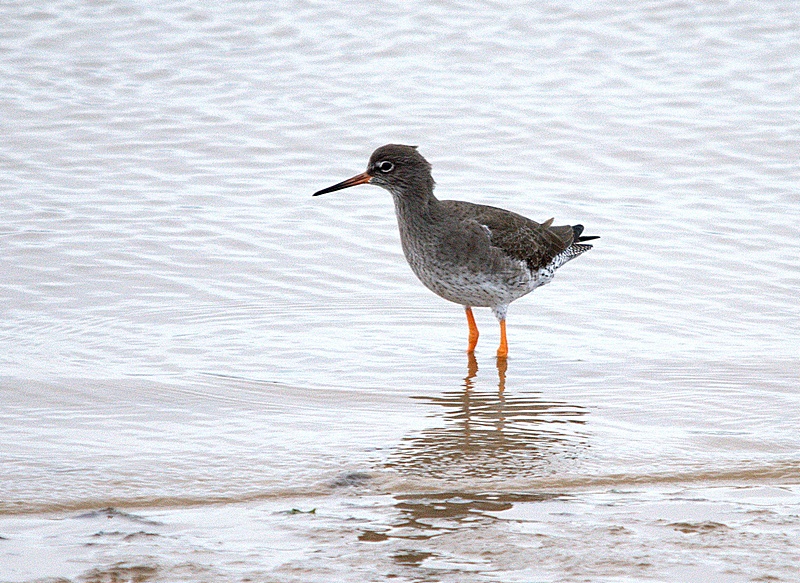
pixel 472 370
pixel 502 367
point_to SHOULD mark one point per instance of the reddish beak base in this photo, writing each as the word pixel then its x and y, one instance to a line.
pixel 363 178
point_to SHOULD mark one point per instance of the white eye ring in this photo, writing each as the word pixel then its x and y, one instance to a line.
pixel 385 166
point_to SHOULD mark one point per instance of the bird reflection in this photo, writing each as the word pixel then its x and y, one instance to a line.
pixel 424 516
pixel 485 434
pixel 491 434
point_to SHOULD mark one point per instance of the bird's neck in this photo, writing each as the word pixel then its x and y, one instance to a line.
pixel 415 202
pixel 416 211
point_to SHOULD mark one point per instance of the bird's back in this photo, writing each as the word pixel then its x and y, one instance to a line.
pixel 518 237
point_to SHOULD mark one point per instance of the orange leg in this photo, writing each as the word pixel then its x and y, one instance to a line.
pixel 473 331
pixel 502 352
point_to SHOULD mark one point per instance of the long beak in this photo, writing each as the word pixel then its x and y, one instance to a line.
pixel 363 178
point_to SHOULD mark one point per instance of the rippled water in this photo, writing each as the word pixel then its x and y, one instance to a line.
pixel 205 374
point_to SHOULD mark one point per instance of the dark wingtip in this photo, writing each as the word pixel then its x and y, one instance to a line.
pixel 576 234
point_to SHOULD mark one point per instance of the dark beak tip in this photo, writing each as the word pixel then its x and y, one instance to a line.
pixel 363 178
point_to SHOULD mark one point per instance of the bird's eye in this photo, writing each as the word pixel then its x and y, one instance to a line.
pixel 385 166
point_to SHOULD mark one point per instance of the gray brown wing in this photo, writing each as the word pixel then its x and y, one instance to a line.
pixel 519 237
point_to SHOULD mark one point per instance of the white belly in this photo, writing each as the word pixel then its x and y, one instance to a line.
pixel 482 290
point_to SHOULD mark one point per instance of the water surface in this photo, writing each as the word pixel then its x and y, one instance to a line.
pixel 206 374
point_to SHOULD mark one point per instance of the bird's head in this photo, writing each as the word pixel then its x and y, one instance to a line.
pixel 397 168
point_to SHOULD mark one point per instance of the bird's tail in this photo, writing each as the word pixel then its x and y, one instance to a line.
pixel 578 246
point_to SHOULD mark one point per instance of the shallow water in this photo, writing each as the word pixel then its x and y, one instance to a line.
pixel 195 354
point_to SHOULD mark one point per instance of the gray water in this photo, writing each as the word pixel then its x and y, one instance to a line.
pixel 206 374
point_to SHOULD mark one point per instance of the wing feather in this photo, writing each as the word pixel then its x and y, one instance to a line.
pixel 517 236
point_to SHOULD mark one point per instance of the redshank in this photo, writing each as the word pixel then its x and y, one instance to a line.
pixel 470 254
